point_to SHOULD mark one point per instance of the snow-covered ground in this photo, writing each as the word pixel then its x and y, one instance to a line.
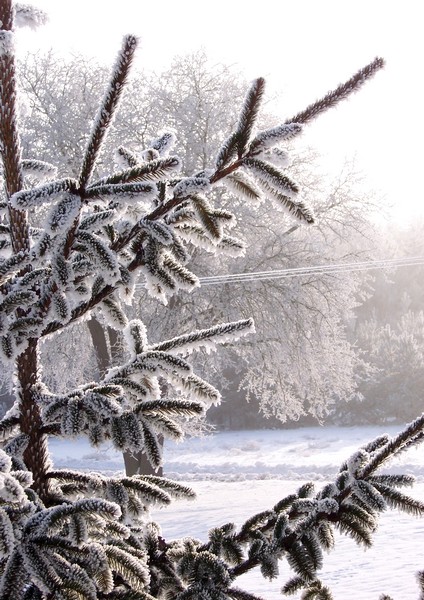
pixel 237 473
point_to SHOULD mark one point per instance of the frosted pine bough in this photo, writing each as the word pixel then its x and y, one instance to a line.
pixel 74 246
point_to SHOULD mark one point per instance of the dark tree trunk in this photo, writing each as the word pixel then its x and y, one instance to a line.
pixel 36 455
pixel 100 346
pixel 135 464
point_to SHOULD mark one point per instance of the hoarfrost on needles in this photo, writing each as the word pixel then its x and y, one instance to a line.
pixel 164 143
pixel 357 460
pixel 101 255
pixel 272 137
pixel 5 462
pixel 150 154
pixel 191 185
pixel 135 335
pixel 6 43
pixel 157 230
pixel 39 169
pixel 27 15
pixel 63 214
pixel 207 338
pixel 328 505
pixel 25 199
pixel 276 156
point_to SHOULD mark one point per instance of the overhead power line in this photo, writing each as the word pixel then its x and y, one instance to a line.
pixel 317 269
pixel 368 265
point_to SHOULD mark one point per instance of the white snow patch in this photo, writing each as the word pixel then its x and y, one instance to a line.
pixel 237 473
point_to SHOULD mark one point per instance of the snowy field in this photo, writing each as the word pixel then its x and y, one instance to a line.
pixel 236 474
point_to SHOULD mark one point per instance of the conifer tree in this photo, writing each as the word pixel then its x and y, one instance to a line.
pixel 72 246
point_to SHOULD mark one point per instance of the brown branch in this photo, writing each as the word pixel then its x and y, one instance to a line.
pixel 328 101
pixel 80 310
pixel 342 92
pixel 163 209
pixel 36 456
pixel 10 147
pixel 108 108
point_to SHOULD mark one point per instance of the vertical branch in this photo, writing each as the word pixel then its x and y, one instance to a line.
pixel 36 453
pixel 9 137
pixel 108 107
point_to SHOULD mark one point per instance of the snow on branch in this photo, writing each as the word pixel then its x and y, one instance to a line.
pixel 342 92
pixel 108 108
pixel 237 143
pixel 207 338
pixel 155 170
pixel 122 191
pixel 272 137
pixel 276 156
pixel 196 235
pixel 243 185
pixel 136 337
pixel 227 151
pixel 212 220
pixel 294 208
pixel 99 219
pixel 61 270
pixel 113 313
pixel 268 173
pixel 412 435
pixel 159 231
pixel 39 169
pixel 11 265
pixel 155 361
pixel 17 299
pixel 191 185
pixel 30 16
pixel 11 491
pixel 125 157
pixel 184 278
pixel 249 115
pixel 63 214
pixel 164 143
pixel 61 309
pixel 7 43
pixel 25 199
pixel 199 389
pixel 298 210
pixel 54 517
pixel 101 254
pixel 169 408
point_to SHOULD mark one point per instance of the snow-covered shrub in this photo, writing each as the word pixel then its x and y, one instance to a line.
pixel 72 535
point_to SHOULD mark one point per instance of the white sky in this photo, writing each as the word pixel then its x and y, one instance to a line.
pixel 303 48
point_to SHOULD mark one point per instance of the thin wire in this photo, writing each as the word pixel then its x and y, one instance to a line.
pixel 304 271
pixel 318 269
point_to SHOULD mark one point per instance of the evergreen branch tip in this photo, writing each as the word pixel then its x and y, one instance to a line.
pixel 340 93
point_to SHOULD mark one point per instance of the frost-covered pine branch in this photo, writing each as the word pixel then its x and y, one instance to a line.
pixel 108 107
pixel 73 247
pixel 300 527
pixel 30 16
pixel 339 94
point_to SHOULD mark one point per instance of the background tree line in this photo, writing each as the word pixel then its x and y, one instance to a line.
pixel 389 332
